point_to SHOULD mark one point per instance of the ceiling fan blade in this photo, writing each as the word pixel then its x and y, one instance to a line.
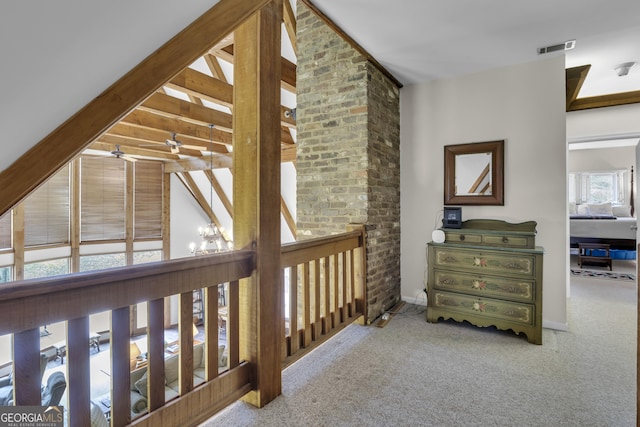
pixel 175 149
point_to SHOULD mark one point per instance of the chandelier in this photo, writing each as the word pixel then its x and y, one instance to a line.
pixel 211 236
pixel 211 240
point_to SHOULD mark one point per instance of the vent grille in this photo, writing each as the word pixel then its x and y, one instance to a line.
pixel 568 45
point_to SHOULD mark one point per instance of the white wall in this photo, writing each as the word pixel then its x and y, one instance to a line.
pixel 524 105
pixel 619 120
pixel 602 159
pixel 59 55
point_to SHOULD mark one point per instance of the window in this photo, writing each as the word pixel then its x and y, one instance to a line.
pixel 6 274
pixel 102 261
pixel 5 231
pixel 148 200
pixel 52 267
pixel 102 206
pixel 46 212
pixel 146 256
pixel 598 187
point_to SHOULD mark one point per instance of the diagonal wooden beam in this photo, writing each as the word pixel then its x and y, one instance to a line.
pixel 286 214
pixel 219 192
pixel 288 78
pixel 192 187
pixel 289 18
pixel 214 66
pixel 575 77
pixel 70 138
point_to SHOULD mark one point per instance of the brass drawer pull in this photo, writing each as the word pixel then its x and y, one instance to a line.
pixel 505 239
pixel 462 237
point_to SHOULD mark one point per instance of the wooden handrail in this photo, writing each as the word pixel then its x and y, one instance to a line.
pixel 336 284
pixel 54 299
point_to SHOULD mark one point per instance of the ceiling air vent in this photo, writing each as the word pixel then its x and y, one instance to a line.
pixel 570 44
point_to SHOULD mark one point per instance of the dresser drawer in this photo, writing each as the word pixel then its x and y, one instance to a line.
pixel 499 240
pixel 477 260
pixel 512 312
pixel 450 237
pixel 486 286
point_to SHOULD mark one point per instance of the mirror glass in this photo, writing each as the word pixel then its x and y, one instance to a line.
pixel 474 173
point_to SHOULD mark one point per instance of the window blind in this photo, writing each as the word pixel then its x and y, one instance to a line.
pixel 102 199
pixel 5 232
pixel 148 200
pixel 46 212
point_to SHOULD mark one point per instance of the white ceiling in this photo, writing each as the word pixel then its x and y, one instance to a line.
pixel 421 40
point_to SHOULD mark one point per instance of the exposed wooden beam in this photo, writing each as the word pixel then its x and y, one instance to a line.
pixel 220 161
pixel 289 18
pixel 103 146
pixel 286 213
pixel 148 120
pixel 214 66
pixel 202 86
pixel 610 100
pixel 193 188
pixel 219 191
pixel 156 136
pixel 183 110
pixel 288 78
pixel 256 193
pixel 198 84
pixel 288 154
pixel 70 138
pixel 575 77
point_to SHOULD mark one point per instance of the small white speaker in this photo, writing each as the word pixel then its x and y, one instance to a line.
pixel 437 236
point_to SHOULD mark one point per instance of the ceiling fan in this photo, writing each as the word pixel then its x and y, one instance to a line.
pixel 174 144
pixel 122 155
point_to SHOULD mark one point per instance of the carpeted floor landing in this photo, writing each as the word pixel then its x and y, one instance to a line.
pixel 413 373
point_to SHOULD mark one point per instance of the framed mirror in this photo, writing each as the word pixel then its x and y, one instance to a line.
pixel 474 173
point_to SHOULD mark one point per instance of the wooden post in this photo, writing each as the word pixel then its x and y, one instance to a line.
pixel 256 195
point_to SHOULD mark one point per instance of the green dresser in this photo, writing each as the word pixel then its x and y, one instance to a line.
pixel 488 273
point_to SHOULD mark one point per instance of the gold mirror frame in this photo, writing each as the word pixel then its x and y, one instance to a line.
pixel 493 148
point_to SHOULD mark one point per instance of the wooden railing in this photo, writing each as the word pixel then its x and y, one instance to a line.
pixel 325 293
pixel 324 289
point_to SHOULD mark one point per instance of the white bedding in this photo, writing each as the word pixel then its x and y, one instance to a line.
pixel 620 228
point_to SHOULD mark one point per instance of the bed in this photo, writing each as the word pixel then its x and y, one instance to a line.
pixel 614 226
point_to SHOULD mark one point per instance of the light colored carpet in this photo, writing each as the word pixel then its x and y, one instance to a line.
pixel 413 373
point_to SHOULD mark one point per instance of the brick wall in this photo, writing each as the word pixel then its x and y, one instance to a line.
pixel 348 158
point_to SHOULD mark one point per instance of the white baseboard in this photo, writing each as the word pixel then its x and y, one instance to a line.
pixel 421 299
pixel 555 325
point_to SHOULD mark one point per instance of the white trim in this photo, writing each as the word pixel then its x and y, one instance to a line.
pixel 151 245
pixel 420 299
pixel 102 248
pixel 7 259
pixel 558 326
pixel 46 254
